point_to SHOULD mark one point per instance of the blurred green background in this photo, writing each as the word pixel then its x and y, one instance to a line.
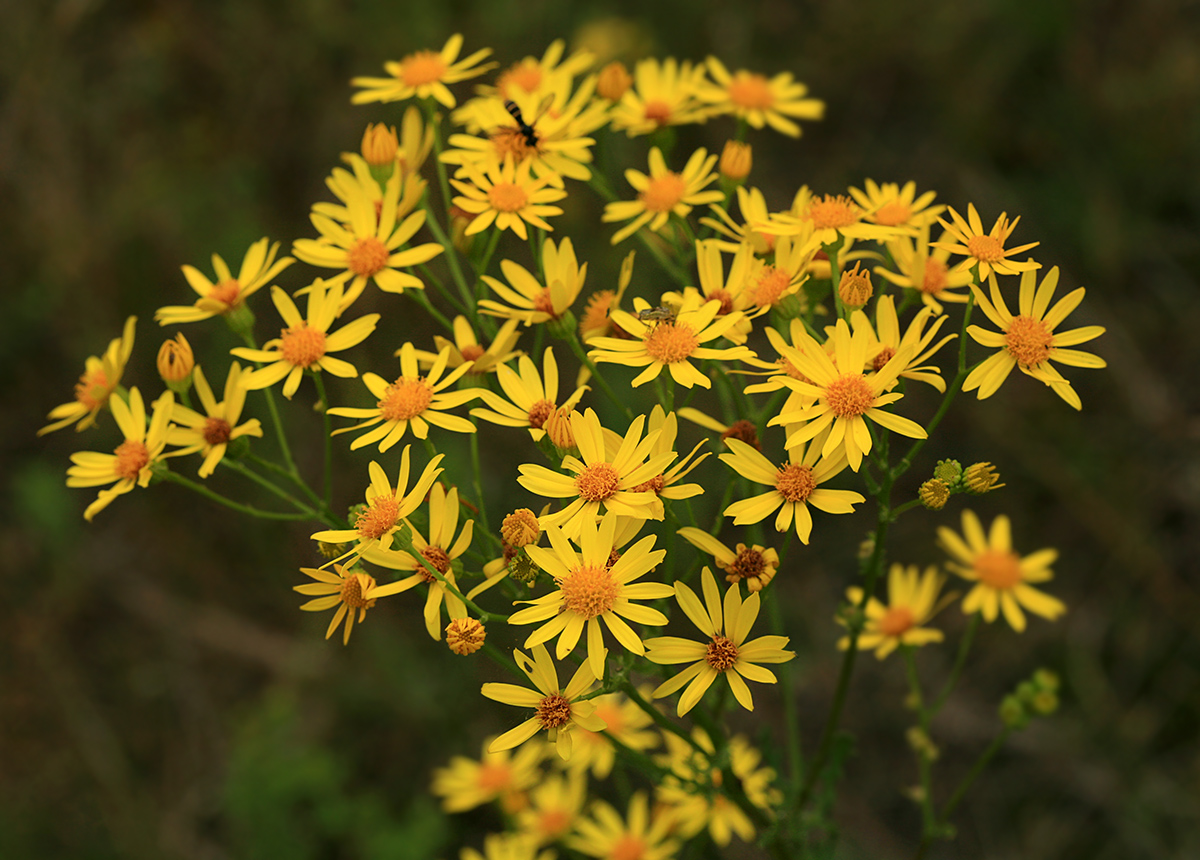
pixel 161 695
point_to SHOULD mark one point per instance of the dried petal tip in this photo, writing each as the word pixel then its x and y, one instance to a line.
pixel 933 494
pixel 982 478
pixel 465 636
pixel 520 528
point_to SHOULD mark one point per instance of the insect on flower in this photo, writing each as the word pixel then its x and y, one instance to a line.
pixel 665 313
pixel 526 129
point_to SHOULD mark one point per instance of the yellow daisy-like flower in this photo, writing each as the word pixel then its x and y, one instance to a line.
pixel 131 462
pixel 596 319
pixel 752 207
pixel 731 292
pixel 758 100
pixel 528 299
pixel 306 342
pixel 771 284
pixel 893 206
pixel 440 551
pixel 349 186
pixel 927 273
pixel 625 722
pixel 912 602
pixel 795 485
pixel 506 846
pixel 466 349
pixel 638 837
pixel 843 396
pixel 726 653
pixel 531 398
pixel 754 564
pixel 557 708
pixel 1002 578
pixel 663 93
pixel 227 293
pixel 502 776
pixel 350 590
pixel 99 380
pixel 1028 340
pixel 670 344
pixel 985 250
pixel 665 485
pixel 602 481
pixel 412 400
pixel 663 193
pixel 423 74
pixel 554 805
pixel 211 433
pixel 386 507
pixel 916 340
pixel 590 589
pixel 368 247
pixel 508 196
pixel 831 218
pixel 531 76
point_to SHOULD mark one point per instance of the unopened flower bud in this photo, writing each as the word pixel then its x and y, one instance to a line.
pixel 175 363
pixel 520 528
pixel 744 431
pixel 562 327
pixel 465 636
pixel 558 428
pixel 614 81
pixel 379 145
pixel 790 306
pixel 982 478
pixel 934 494
pixel 1045 703
pixel 736 161
pixel 1012 713
pixel 522 569
pixel 1044 679
pixel 948 470
pixel 855 287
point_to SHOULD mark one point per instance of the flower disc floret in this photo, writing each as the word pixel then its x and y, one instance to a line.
pixel 721 653
pixel 507 197
pixel 589 591
pixel 217 431
pixel 849 395
pixel 1028 340
pixel 795 482
pixel 663 193
pixel 896 621
pixel 405 399
pixel 367 257
pixel 301 345
pixel 554 711
pixel 998 569
pixel 379 517
pixel 132 456
pixel 671 342
pixel 833 212
pixel 597 482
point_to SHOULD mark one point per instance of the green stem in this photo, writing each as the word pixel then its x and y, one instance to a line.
pixel 960 660
pixel 419 558
pixel 423 301
pixel 924 764
pixel 177 478
pixel 299 482
pixel 960 792
pixel 655 714
pixel 835 274
pixel 328 446
pixel 478 482
pixel 582 355
pixel 274 410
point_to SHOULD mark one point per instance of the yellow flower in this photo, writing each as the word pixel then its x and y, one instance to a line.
pixel 368 246
pixel 465 349
pixel 759 101
pixel 506 846
pixel 440 551
pixel 306 343
pixel 670 343
pixel 831 218
pixel 530 76
pixel 466 783
pixel 916 341
pixel 557 708
pixel 794 486
pixel 228 293
pixel 663 193
pixel 531 398
pixel 726 653
pixel 528 300
pixel 843 395
pixel 662 94
pixel 665 485
pixel 349 186
pixel 925 272
pixel 386 507
pixel 638 837
pixel 99 380
pixel 733 292
pixel 554 805
pixel 754 564
pixel 412 400
pixel 985 250
pixel 893 206
pixel 912 602
pixel 132 461
pixel 752 207
pixel 624 722
pixel 211 433
pixel 350 590
pixel 603 481
pixel 590 589
pixel 507 195
pixel 423 74
pixel 596 320
pixel 1002 578
pixel 1028 341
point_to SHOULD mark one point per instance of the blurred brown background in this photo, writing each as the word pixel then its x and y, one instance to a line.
pixel 162 697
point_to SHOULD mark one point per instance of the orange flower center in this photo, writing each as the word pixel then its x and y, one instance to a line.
pixel 628 847
pixel 671 342
pixel 526 74
pixel 795 482
pixel 437 557
pixel 493 777
pixel 507 197
pixel 226 292
pixel 744 431
pixel 721 653
pixel 833 213
pixel 423 67
pixel 657 111
pixel 132 457
pixel 1028 340
pixel 849 395
pixel 539 412
pixel 510 140
pixel 663 193
pixel 934 278
pixel 885 355
pixel 554 822
pixel 892 214
pixel 302 346
pixel 771 285
pixel 93 389
pixel 611 715
pixel 544 302
pixel 986 249
pixel 216 431
pixel 379 518
pixel 748 563
pixel 554 711
pixel 406 398
pixel 367 257
pixel 750 91
pixel 597 482
pixel 895 621
pixel 724 298
pixel 654 485
pixel 472 351
pixel 352 591
pixel 997 568
pixel 595 315
pixel 589 591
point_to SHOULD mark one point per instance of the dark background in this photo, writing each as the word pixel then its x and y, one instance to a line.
pixel 162 697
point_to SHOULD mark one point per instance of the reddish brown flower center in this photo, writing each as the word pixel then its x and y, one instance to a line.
pixel 746 564
pixel 472 351
pixel 744 431
pixel 663 193
pixel 724 298
pixel 406 398
pixel 998 569
pixel 367 256
pixel 884 356
pixel 721 653
pixel 895 621
pixel 657 111
pixel 507 197
pixel 1028 340
pixel 671 342
pixel 539 412
pixel 437 557
pixel 849 395
pixel 654 485
pixel 379 518
pixel 750 91
pixel 795 482
pixel 132 457
pixel 597 482
pixel 544 302
pixel 226 291
pixel 422 67
pixel 301 345
pixel 216 431
pixel 554 711
pixel 589 591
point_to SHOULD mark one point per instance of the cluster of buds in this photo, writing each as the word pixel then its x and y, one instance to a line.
pixel 1036 697
pixel 519 530
pixel 949 477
